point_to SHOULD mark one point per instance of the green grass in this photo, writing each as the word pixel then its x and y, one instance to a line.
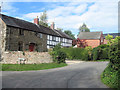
pixel 27 67
pixel 102 60
pixel 110 77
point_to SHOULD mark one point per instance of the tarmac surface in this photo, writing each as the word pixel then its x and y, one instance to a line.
pixel 77 74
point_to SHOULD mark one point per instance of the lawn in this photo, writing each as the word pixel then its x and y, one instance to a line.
pixel 27 67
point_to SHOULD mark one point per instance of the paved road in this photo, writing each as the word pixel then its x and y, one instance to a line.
pixel 79 75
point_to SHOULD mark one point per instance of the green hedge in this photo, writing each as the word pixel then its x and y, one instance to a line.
pixel 100 52
pixel 111 75
pixel 76 53
pixel 114 56
pixel 87 54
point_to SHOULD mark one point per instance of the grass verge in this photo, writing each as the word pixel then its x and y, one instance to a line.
pixel 27 67
pixel 103 60
pixel 110 77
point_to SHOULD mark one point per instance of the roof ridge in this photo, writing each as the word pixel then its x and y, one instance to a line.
pixel 17 18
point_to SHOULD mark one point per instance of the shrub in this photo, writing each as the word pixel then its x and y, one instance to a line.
pixel 58 55
pixel 110 77
pixel 104 54
pixel 114 56
pixel 95 53
pixel 57 47
pixel 76 53
pixel 100 52
pixel 61 57
pixel 85 55
pixel 88 52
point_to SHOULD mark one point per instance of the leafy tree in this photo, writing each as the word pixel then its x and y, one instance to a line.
pixel 69 33
pixel 59 29
pixel 109 38
pixel 43 19
pixel 84 28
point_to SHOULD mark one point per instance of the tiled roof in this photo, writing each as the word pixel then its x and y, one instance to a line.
pixel 89 35
pixel 113 34
pixel 10 21
pixel 14 22
pixel 62 34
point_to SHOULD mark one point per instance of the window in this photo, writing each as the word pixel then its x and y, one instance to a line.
pixel 47 42
pixel 10 30
pixel 39 35
pixel 20 46
pixel 61 39
pixel 21 32
pixel 53 38
pixel 48 37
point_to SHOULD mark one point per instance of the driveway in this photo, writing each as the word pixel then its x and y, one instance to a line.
pixel 77 75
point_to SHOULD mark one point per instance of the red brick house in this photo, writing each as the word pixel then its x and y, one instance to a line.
pixel 92 39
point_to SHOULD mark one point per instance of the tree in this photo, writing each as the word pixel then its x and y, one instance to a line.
pixel 69 33
pixel 109 38
pixel 43 19
pixel 59 29
pixel 84 28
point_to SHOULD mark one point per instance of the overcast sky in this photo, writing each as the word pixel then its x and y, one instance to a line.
pixel 99 15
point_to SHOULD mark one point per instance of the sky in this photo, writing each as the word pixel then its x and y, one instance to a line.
pixel 98 15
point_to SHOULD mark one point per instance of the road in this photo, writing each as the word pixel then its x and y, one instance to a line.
pixel 78 75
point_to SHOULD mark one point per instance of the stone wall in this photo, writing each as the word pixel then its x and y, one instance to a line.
pixel 13 38
pixel 11 57
pixel 2 37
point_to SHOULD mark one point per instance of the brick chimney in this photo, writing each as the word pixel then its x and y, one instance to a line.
pixel 36 20
pixel 52 26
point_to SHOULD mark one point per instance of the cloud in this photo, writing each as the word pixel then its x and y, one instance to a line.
pixel 32 15
pixel 59 0
pixel 7 8
pixel 99 16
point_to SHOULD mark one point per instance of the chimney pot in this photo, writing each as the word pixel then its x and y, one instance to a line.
pixel 36 20
pixel 52 26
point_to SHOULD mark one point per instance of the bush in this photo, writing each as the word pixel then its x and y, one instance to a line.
pixel 58 55
pixel 76 53
pixel 110 77
pixel 86 56
pixel 114 56
pixel 61 57
pixel 88 52
pixel 100 52
pixel 95 53
pixel 104 54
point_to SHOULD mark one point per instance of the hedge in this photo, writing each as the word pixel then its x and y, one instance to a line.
pixel 76 53
pixel 100 52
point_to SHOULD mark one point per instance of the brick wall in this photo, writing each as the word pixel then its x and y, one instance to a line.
pixel 11 57
pixel 92 43
pixel 105 41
